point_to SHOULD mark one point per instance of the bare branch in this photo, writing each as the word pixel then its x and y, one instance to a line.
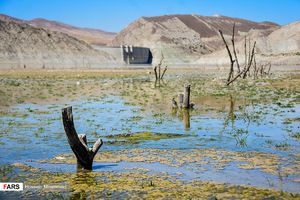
pixel 245 46
pixel 234 51
pixel 250 62
pixel 155 72
pixel 230 57
pixel 97 146
pixel 254 70
pixel 166 67
pixel 270 65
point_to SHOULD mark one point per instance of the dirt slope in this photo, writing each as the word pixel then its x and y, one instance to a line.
pixel 279 47
pixel 182 38
pixel 91 36
pixel 24 45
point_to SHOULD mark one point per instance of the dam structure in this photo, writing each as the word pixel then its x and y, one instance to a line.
pixel 136 55
pixel 128 54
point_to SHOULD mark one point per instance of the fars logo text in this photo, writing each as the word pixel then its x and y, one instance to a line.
pixel 11 186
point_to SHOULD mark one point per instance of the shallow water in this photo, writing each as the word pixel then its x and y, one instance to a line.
pixel 32 132
pixel 231 174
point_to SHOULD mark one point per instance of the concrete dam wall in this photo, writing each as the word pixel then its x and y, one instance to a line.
pixel 128 54
pixel 136 55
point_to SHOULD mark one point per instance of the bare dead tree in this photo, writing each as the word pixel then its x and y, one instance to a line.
pixel 159 75
pixel 249 57
pixel 230 57
pixel 78 144
pixel 183 99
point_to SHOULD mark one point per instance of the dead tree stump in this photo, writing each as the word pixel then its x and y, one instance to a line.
pixel 186 100
pixel 78 144
pixel 180 100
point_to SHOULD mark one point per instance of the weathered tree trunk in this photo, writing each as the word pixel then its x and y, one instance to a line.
pixel 155 72
pixel 83 153
pixel 230 57
pixel 186 101
pixel 180 100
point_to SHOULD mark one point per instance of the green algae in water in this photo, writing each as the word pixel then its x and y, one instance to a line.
pixel 135 138
pixel 144 94
pixel 94 185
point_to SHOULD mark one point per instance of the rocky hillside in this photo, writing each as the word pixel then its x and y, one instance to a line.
pixel 183 38
pixel 91 36
pixel 280 47
pixel 23 45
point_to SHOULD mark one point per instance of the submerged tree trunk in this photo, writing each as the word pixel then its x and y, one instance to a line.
pixel 83 153
pixel 186 100
pixel 180 100
pixel 186 119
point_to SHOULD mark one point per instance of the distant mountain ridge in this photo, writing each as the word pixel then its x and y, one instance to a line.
pixel 23 45
pixel 89 35
pixel 183 37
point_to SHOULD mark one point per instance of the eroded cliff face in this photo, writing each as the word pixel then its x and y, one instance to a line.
pixel 279 46
pixel 23 45
pixel 184 38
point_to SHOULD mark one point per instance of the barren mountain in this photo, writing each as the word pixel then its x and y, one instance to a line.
pixel 22 45
pixel 280 47
pixel 182 38
pixel 9 19
pixel 91 36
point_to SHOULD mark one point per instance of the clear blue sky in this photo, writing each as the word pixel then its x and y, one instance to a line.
pixel 114 15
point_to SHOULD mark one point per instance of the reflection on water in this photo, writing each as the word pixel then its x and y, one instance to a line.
pixel 184 116
pixel 35 132
pixel 239 134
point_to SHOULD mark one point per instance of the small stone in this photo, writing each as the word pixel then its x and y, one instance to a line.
pixel 60 158
pixel 212 198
